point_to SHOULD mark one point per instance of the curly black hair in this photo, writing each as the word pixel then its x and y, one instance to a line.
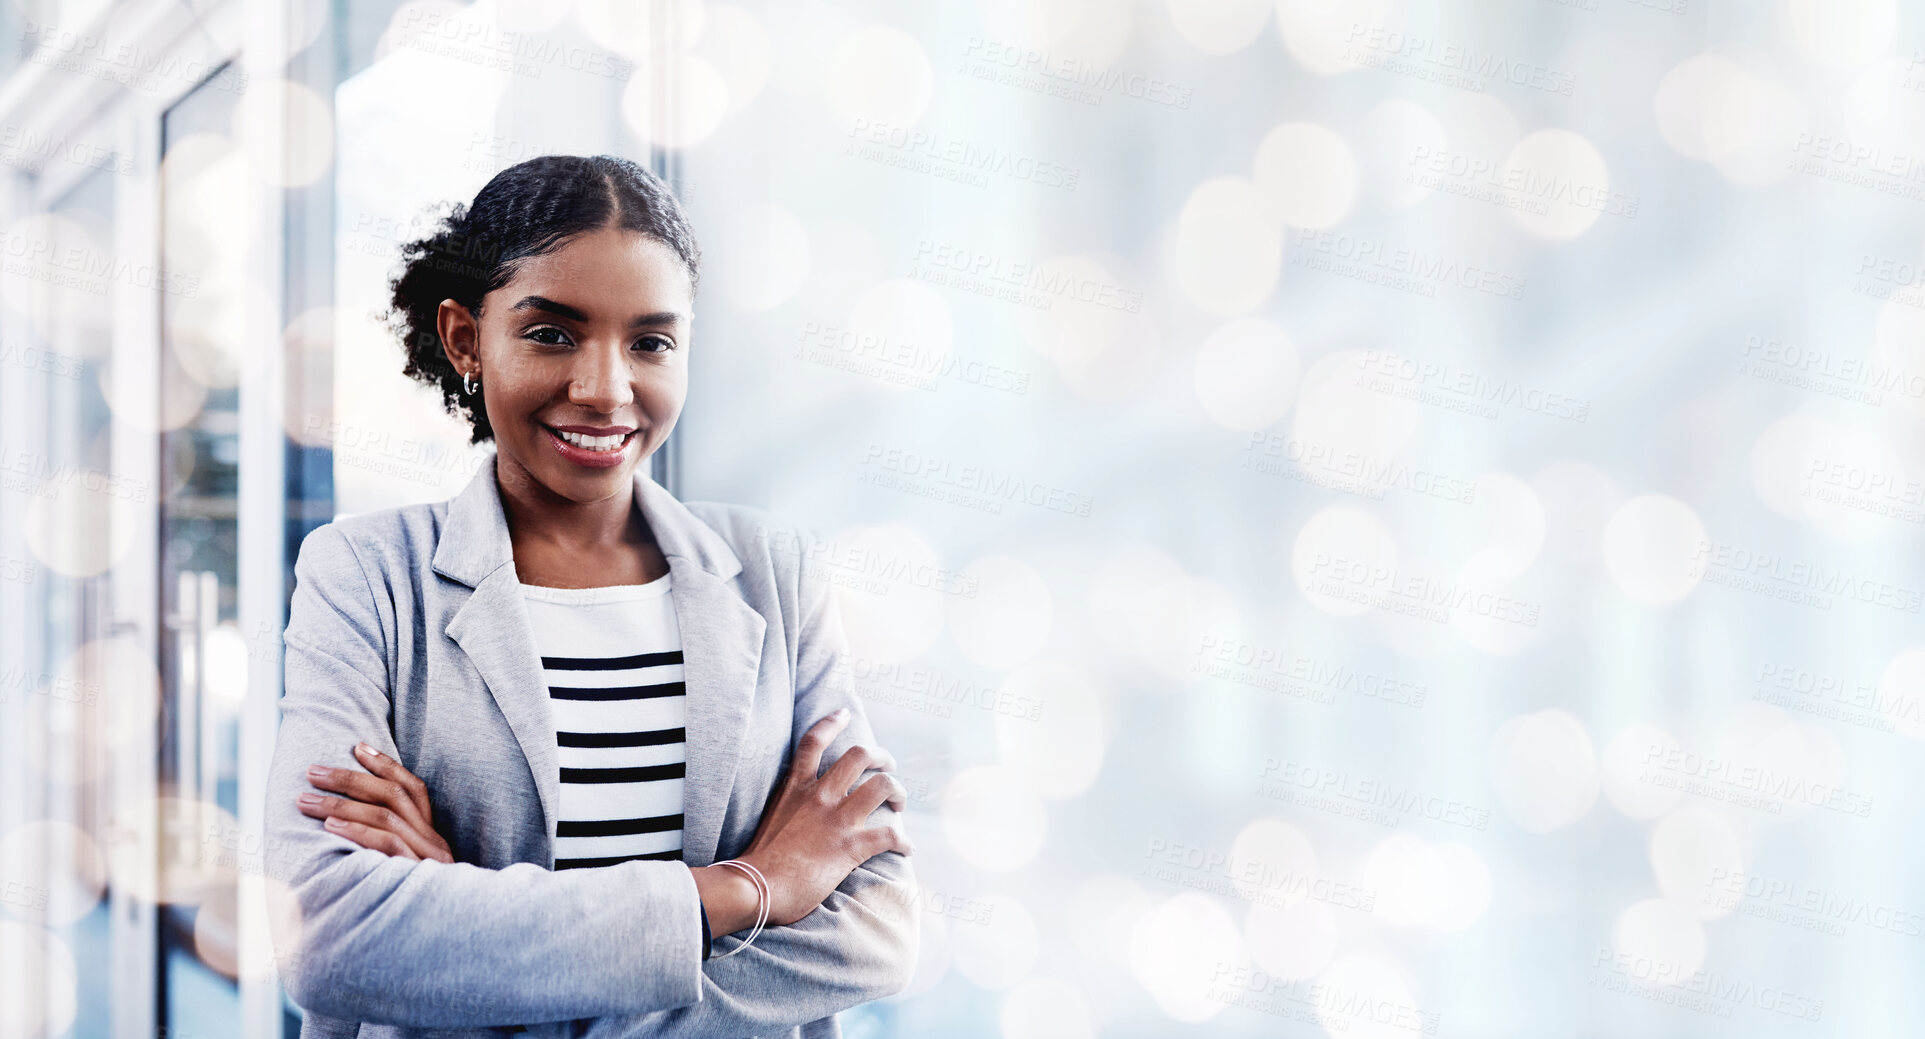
pixel 526 210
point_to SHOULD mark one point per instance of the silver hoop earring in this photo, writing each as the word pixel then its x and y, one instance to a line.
pixel 468 383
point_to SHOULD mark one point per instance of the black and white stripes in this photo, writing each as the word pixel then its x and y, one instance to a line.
pixel 612 660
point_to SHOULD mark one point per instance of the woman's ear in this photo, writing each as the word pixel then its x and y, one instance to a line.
pixel 460 336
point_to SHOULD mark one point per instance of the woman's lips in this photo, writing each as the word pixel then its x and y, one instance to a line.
pixel 589 459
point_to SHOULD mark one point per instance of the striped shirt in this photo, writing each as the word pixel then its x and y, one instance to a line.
pixel 612 660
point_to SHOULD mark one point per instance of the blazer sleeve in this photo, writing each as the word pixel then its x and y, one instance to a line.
pixel 859 945
pixel 385 940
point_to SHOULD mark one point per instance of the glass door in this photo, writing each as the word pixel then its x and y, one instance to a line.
pixel 204 658
pixel 61 482
pixel 149 486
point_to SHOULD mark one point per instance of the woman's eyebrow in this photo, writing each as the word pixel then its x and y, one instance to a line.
pixel 543 303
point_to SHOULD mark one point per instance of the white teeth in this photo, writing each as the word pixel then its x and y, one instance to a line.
pixel 592 443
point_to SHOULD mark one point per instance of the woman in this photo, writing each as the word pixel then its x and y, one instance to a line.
pixel 523 729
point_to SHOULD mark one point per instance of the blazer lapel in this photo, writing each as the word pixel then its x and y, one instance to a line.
pixel 493 629
pixel 721 645
pixel 721 659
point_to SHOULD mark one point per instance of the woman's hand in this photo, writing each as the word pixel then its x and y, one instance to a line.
pixel 387 811
pixel 815 831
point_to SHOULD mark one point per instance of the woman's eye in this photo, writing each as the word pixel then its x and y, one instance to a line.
pixel 656 344
pixel 548 335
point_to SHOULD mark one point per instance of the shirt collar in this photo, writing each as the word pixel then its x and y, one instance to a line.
pixel 475 543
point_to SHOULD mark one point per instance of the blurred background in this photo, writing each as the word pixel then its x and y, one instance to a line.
pixel 1374 518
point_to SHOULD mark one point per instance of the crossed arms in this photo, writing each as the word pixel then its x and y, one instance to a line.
pixel 599 953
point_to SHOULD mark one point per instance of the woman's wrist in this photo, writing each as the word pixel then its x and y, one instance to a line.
pixel 729 896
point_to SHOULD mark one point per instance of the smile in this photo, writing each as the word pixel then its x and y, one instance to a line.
pixel 593 443
pixel 592 451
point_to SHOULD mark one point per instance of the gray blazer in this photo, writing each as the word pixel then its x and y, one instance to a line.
pixel 408 630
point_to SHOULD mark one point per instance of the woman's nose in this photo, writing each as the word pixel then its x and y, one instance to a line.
pixel 600 381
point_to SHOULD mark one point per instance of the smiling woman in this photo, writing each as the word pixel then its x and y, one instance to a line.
pixel 544 744
pixel 515 221
pixel 555 313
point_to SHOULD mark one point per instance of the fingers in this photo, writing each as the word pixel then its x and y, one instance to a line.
pixel 369 837
pixel 808 750
pixel 388 768
pixel 373 819
pixel 365 788
pixel 391 788
pixel 361 787
pixel 879 757
pixel 853 763
pixel 878 789
pixel 875 840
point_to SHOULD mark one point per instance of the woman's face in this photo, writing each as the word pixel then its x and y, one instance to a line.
pixel 582 359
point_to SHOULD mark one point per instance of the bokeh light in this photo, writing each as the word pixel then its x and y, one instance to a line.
pixel 1228 247
pixel 1544 769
